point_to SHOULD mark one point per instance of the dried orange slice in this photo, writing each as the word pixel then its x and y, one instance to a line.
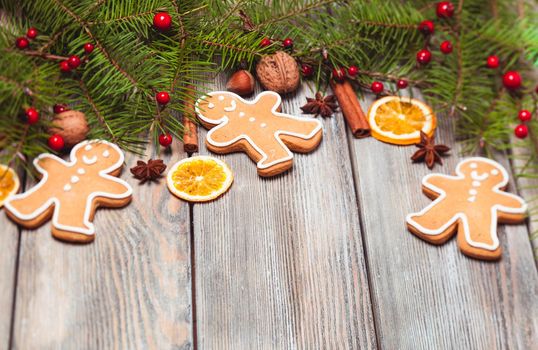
pixel 199 179
pixel 398 120
pixel 9 183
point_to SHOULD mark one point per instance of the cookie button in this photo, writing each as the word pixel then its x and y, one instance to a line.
pixel 81 171
pixel 251 119
pixel 263 125
pixel 67 188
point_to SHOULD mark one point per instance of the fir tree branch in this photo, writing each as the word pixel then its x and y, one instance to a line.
pixel 125 18
pixel 295 13
pixel 459 73
pixel 231 47
pixel 51 41
pixel 20 145
pixel 82 23
pixel 100 118
pixel 386 25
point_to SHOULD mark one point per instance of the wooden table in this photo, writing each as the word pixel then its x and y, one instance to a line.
pixel 318 258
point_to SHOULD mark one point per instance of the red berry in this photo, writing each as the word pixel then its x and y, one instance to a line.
pixel 524 115
pixel 426 27
pixel 22 43
pixel 31 33
pixel 162 21
pixel 445 9
pixel 32 115
pixel 265 42
pixel 446 47
pixel 493 61
pixel 162 97
pixel 59 108
pixel 521 131
pixel 88 48
pixel 424 56
pixel 401 84
pixel 353 71
pixel 536 89
pixel 165 140
pixel 73 61
pixel 287 43
pixel 307 70
pixel 377 87
pixel 64 66
pixel 56 142
pixel 339 74
pixel 512 80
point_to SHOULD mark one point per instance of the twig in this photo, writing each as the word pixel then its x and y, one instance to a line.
pixel 459 77
pixel 100 118
pixel 40 54
pixel 125 18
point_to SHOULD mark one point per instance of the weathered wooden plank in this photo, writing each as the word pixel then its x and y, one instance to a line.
pixel 429 297
pixel 9 241
pixel 528 187
pixel 128 289
pixel 279 261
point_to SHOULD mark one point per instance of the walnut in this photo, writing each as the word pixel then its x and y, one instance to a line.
pixel 71 125
pixel 278 72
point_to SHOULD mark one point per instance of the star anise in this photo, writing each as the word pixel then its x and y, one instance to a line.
pixel 149 171
pixel 429 152
pixel 324 106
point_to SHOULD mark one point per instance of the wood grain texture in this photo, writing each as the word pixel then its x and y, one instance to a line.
pixel 433 297
pixel 528 188
pixel 279 261
pixel 130 289
pixel 9 241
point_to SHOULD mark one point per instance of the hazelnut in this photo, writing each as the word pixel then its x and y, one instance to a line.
pixel 241 82
pixel 71 126
pixel 278 72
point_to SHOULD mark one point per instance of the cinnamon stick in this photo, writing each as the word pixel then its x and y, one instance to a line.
pixel 190 136
pixel 351 108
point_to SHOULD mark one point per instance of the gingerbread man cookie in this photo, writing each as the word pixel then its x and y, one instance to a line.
pixel 69 192
pixel 470 203
pixel 257 128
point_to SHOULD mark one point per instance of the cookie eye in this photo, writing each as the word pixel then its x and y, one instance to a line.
pixel 473 165
pixel 88 147
pixel 106 154
pixel 221 98
pixel 494 172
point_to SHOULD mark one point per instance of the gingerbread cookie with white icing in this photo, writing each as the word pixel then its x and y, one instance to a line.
pixel 257 128
pixel 471 204
pixel 70 192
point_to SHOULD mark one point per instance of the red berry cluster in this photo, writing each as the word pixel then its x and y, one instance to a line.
pixel 23 42
pixel 56 142
pixel 444 10
pixel 74 61
pixel 521 131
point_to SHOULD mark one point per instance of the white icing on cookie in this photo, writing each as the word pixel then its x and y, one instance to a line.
pixel 225 120
pixel 89 161
pixel 81 171
pixel 476 183
pixel 75 179
pixel 232 107
pixel 494 172
pixel 89 228
pixel 461 215
pixel 251 119
pixel 106 153
pixel 473 192
pixel 210 105
pixel 479 177
pixel 263 125
pixel 241 114
pixel 88 147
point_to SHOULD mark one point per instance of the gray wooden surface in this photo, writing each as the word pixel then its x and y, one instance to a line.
pixel 317 258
